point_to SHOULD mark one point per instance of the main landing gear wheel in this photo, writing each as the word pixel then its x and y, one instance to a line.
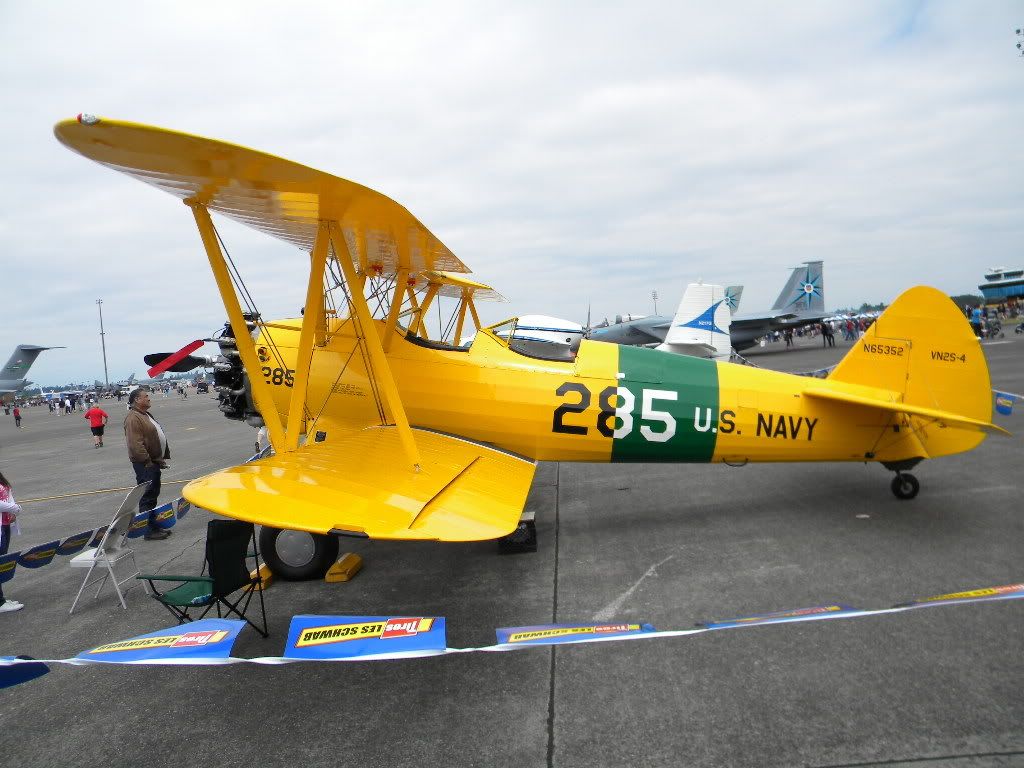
pixel 905 486
pixel 297 555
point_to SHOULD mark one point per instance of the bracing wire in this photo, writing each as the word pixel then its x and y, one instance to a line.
pixel 361 335
pixel 247 299
pixel 250 304
pixel 449 331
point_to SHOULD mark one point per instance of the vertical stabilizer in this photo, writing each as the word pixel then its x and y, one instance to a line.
pixel 805 290
pixel 701 324
pixel 733 294
pixel 19 363
pixel 922 352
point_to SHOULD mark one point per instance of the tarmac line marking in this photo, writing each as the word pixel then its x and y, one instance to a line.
pixel 93 493
pixel 612 609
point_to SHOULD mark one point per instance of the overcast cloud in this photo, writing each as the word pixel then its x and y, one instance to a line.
pixel 569 153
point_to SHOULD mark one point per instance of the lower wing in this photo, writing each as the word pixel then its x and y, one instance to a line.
pixel 362 484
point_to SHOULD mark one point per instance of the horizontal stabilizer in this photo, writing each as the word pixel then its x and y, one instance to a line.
pixel 945 417
pixel 361 484
pixel 693 349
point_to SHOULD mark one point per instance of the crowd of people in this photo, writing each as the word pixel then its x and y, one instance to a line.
pixel 67 403
pixel 851 328
pixel 987 320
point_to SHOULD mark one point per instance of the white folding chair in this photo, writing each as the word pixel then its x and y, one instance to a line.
pixel 111 549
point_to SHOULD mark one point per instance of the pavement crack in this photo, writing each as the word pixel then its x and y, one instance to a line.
pixel 554 619
pixel 915 760
pixel 161 567
pixel 178 556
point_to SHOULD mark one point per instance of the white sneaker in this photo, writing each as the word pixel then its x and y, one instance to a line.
pixel 10 605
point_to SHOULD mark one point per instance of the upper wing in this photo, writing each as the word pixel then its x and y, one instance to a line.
pixel 454 285
pixel 464 491
pixel 279 197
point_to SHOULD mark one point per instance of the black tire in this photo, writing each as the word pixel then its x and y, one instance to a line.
pixel 297 555
pixel 905 486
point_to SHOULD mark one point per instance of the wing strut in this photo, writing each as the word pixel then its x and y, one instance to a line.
pixel 312 319
pixel 462 316
pixel 371 342
pixel 420 327
pixel 401 281
pixel 472 311
pixel 246 347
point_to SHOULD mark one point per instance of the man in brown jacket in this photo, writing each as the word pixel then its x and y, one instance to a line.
pixel 148 452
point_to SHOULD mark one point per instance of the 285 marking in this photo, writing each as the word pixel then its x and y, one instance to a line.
pixel 278 376
pixel 615 420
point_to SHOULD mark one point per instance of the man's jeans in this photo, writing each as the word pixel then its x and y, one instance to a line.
pixel 151 475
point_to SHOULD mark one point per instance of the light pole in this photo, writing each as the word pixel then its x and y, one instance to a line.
pixel 103 342
pixel 654 296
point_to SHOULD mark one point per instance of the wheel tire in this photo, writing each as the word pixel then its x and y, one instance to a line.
pixel 297 555
pixel 905 486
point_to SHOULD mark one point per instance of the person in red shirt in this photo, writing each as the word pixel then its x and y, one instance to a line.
pixel 97 421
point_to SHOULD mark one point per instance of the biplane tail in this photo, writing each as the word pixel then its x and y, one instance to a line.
pixel 921 359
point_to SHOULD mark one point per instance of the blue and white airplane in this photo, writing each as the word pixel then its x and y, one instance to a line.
pixel 701 325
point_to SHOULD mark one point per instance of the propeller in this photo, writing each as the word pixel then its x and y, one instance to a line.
pixel 590 326
pixel 177 362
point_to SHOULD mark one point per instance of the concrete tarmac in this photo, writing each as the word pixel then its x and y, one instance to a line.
pixel 667 544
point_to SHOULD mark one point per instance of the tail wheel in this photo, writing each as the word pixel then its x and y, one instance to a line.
pixel 905 486
pixel 297 555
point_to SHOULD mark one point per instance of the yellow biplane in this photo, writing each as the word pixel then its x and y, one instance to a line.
pixel 381 431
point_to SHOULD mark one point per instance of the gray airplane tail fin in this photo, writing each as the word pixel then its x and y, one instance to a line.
pixel 733 294
pixel 805 290
pixel 22 359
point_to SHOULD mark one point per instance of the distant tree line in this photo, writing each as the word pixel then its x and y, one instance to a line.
pixel 863 308
pixel 967 299
pixel 961 300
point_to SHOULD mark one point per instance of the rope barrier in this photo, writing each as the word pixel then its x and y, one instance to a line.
pixel 378 638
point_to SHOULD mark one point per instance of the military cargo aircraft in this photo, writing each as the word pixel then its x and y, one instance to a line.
pixel 12 375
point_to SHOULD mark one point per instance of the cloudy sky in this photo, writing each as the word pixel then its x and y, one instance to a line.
pixel 569 153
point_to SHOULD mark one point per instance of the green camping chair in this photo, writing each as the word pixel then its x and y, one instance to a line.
pixel 228 544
